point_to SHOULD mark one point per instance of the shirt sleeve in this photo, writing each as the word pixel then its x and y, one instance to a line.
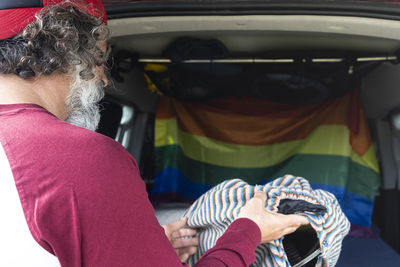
pixel 235 248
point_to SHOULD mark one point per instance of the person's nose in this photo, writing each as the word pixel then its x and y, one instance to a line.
pixel 103 76
pixel 105 80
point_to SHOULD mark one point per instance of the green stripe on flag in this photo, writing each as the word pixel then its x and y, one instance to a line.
pixel 333 170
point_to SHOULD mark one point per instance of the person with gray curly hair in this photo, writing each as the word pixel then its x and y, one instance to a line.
pixel 72 197
pixel 63 40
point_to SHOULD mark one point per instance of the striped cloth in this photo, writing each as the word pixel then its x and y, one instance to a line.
pixel 212 213
pixel 199 145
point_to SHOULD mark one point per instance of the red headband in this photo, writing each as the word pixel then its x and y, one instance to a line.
pixel 14 20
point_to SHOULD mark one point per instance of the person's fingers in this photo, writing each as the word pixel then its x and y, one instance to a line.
pixel 184 242
pixel 289 220
pixel 184 232
pixel 260 195
pixel 172 227
pixel 296 220
pixel 183 257
pixel 302 220
pixel 187 250
pixel 185 253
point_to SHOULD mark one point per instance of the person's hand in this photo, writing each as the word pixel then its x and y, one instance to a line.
pixel 272 225
pixel 183 240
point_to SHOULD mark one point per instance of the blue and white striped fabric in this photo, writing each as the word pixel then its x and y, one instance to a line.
pixel 212 213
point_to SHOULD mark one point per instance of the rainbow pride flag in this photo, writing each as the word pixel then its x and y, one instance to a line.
pixel 199 145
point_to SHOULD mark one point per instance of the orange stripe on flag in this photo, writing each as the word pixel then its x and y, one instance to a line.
pixel 271 125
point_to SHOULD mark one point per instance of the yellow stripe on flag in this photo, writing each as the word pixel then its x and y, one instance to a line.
pixel 324 140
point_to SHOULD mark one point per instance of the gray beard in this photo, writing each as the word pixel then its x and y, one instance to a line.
pixel 83 102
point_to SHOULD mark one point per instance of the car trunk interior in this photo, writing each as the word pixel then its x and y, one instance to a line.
pixel 357 53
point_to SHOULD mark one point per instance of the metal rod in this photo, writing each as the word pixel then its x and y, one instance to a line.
pixel 363 59
pixel 154 60
pixel 265 60
pixel 282 60
pixel 327 60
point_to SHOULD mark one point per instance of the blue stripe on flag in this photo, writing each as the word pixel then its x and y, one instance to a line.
pixel 172 179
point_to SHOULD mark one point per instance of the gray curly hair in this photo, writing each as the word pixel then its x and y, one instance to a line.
pixel 61 38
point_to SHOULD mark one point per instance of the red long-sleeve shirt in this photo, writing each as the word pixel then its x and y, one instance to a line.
pixel 84 200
